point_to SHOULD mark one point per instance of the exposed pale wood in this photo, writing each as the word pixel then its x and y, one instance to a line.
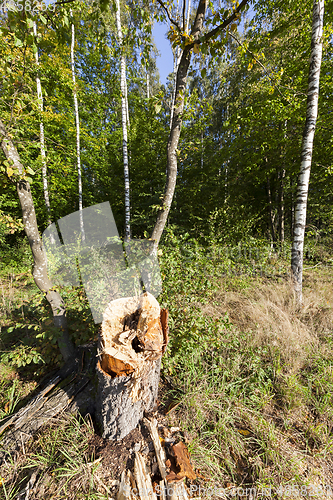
pixel 177 491
pixel 162 490
pixel 124 492
pixel 143 481
pixel 160 454
pixel 118 354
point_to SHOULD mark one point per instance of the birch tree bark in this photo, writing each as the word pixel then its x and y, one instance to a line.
pixel 31 230
pixel 125 122
pixel 307 148
pixel 41 131
pixel 292 209
pixel 148 83
pixel 271 211
pixel 281 205
pixel 77 124
pixel 181 79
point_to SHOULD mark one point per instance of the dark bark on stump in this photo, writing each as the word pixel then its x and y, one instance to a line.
pixel 116 411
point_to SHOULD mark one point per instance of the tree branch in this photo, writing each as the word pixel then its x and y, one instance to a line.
pixel 261 65
pixel 198 22
pixel 64 2
pixel 222 26
pixel 184 8
pixel 169 17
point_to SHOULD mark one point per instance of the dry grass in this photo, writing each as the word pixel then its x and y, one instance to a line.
pixel 268 310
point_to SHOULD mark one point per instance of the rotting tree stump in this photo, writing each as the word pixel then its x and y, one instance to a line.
pixel 132 340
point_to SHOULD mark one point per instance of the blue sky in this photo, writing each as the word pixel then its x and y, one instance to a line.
pixel 165 59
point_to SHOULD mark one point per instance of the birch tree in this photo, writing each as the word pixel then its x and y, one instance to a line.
pixel 41 131
pixel 77 124
pixel 307 148
pixel 125 122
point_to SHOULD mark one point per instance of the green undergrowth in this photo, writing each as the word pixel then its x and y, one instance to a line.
pixel 251 375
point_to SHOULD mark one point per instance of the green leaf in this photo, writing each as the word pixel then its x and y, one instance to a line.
pixel 43 19
pixel 30 171
pixel 17 42
pixel 30 23
pixel 203 72
pixel 204 48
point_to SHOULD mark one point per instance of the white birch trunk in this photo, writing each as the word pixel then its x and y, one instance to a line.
pixel 125 122
pixel 148 84
pixel 307 147
pixel 77 124
pixel 188 15
pixel 41 132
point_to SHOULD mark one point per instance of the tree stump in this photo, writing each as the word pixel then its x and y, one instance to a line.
pixel 132 339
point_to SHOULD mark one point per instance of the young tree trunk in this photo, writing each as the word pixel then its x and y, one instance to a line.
pixel 188 15
pixel 40 264
pixel 176 60
pixel 125 122
pixel 41 132
pixel 177 56
pixel 307 147
pixel 77 123
pixel 181 78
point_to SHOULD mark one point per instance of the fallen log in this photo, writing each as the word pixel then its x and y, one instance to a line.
pixel 132 340
pixel 71 389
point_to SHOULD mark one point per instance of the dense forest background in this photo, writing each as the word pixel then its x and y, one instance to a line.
pixel 240 145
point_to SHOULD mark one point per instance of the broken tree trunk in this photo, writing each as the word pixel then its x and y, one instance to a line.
pixel 71 389
pixel 132 340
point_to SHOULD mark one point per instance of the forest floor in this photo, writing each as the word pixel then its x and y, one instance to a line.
pixel 247 380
